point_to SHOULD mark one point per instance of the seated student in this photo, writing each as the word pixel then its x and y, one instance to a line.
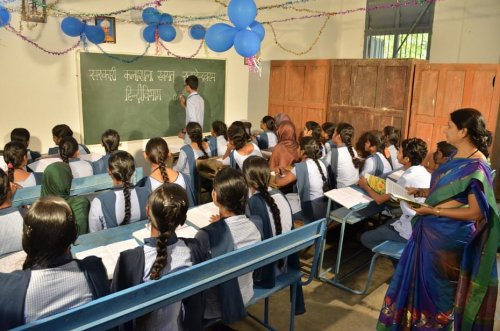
pixel 285 152
pixel 410 155
pixel 311 178
pixel 443 152
pixel 267 139
pixel 218 141
pixel 233 231
pixel 51 280
pixel 123 204
pixel 56 181
pixel 327 131
pixel 160 255
pixel 157 155
pixel 313 129
pixel 110 140
pixel 68 151
pixel 375 163
pixel 239 147
pixel 11 220
pixel 343 158
pixel 23 136
pixel 392 136
pixel 60 131
pixel 16 158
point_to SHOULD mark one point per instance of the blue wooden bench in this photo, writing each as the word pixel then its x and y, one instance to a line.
pixel 118 308
pixel 82 185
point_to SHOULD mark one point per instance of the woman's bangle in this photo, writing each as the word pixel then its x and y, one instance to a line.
pixel 438 212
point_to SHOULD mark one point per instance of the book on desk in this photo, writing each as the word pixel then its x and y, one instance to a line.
pixel 349 197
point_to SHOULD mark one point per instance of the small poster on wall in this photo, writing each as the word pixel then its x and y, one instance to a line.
pixel 34 11
pixel 108 25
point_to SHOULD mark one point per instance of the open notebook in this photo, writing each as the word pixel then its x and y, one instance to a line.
pixel 199 216
pixel 348 197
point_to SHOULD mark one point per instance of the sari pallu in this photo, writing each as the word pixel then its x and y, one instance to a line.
pixel 447 272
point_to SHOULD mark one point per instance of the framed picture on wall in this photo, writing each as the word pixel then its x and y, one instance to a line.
pixel 34 11
pixel 108 25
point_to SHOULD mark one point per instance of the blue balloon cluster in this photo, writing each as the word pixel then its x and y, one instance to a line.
pixel 157 22
pixel 4 16
pixel 246 35
pixel 73 27
pixel 197 31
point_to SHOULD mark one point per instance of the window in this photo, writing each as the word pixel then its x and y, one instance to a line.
pixel 401 31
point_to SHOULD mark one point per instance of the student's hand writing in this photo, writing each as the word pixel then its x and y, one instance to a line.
pixel 214 218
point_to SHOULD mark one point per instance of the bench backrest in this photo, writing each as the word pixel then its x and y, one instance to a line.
pixel 117 308
pixel 82 185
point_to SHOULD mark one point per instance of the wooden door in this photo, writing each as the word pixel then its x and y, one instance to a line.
pixel 300 90
pixel 439 89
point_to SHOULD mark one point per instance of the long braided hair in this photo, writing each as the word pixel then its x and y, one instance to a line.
pixel 4 187
pixel 312 150
pixel 257 173
pixel 195 133
pixel 68 146
pixel 157 152
pixel 167 208
pixel 110 139
pixel 346 133
pixel 121 166
pixel 14 154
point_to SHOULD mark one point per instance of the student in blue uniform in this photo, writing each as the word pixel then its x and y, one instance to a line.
pixel 69 153
pixel 110 140
pixel 51 280
pixel 375 163
pixel 60 131
pixel 313 129
pixel 327 131
pixel 239 146
pixel 123 204
pixel 23 136
pixel 157 154
pixel 11 220
pixel 161 254
pixel 233 231
pixel 218 140
pixel 267 139
pixel 15 156
pixel 311 179
pixel 392 138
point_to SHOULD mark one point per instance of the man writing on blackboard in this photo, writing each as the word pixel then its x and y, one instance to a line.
pixel 194 105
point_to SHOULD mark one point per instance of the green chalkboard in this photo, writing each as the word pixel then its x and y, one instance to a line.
pixel 140 99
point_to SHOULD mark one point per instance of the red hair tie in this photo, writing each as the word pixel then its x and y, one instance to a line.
pixel 10 165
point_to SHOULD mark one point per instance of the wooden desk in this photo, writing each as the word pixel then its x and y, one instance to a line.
pixel 207 168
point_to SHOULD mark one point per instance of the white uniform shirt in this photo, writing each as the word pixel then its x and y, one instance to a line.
pixel 315 179
pixel 239 158
pixel 80 168
pixel 195 108
pixel 394 157
pixel 28 182
pixel 347 173
pixel 369 167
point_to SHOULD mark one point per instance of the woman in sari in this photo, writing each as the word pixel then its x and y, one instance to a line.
pixel 285 152
pixel 56 181
pixel 447 273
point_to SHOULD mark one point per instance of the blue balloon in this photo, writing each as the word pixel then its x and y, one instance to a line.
pixel 258 29
pixel 246 43
pixel 166 19
pixel 72 26
pixel 220 37
pixel 149 33
pixel 166 32
pixel 242 12
pixel 94 33
pixel 4 16
pixel 197 31
pixel 151 16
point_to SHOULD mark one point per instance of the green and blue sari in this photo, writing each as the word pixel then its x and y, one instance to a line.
pixel 447 277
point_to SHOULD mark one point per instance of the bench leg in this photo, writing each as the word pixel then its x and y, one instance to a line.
pixel 370 272
pixel 292 306
pixel 266 311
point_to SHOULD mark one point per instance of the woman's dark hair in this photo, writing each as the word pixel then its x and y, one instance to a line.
pixel 4 187
pixel 195 133
pixel 376 139
pixel 220 128
pixel 243 127
pixel 360 145
pixel 313 151
pixel 237 134
pixel 257 173
pixel 415 149
pixel 446 149
pixel 14 154
pixel 121 166
pixel 248 129
pixel 269 122
pixel 157 152
pixel 346 133
pixel 62 130
pixel 110 139
pixel 315 128
pixel 22 135
pixel 329 128
pixel 68 146
pixel 472 120
pixel 392 136
pixel 232 190
pixel 48 218
pixel 168 205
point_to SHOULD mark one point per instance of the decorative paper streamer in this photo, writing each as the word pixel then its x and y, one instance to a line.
pixel 169 52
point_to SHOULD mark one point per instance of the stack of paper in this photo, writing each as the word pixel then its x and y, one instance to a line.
pixel 348 197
